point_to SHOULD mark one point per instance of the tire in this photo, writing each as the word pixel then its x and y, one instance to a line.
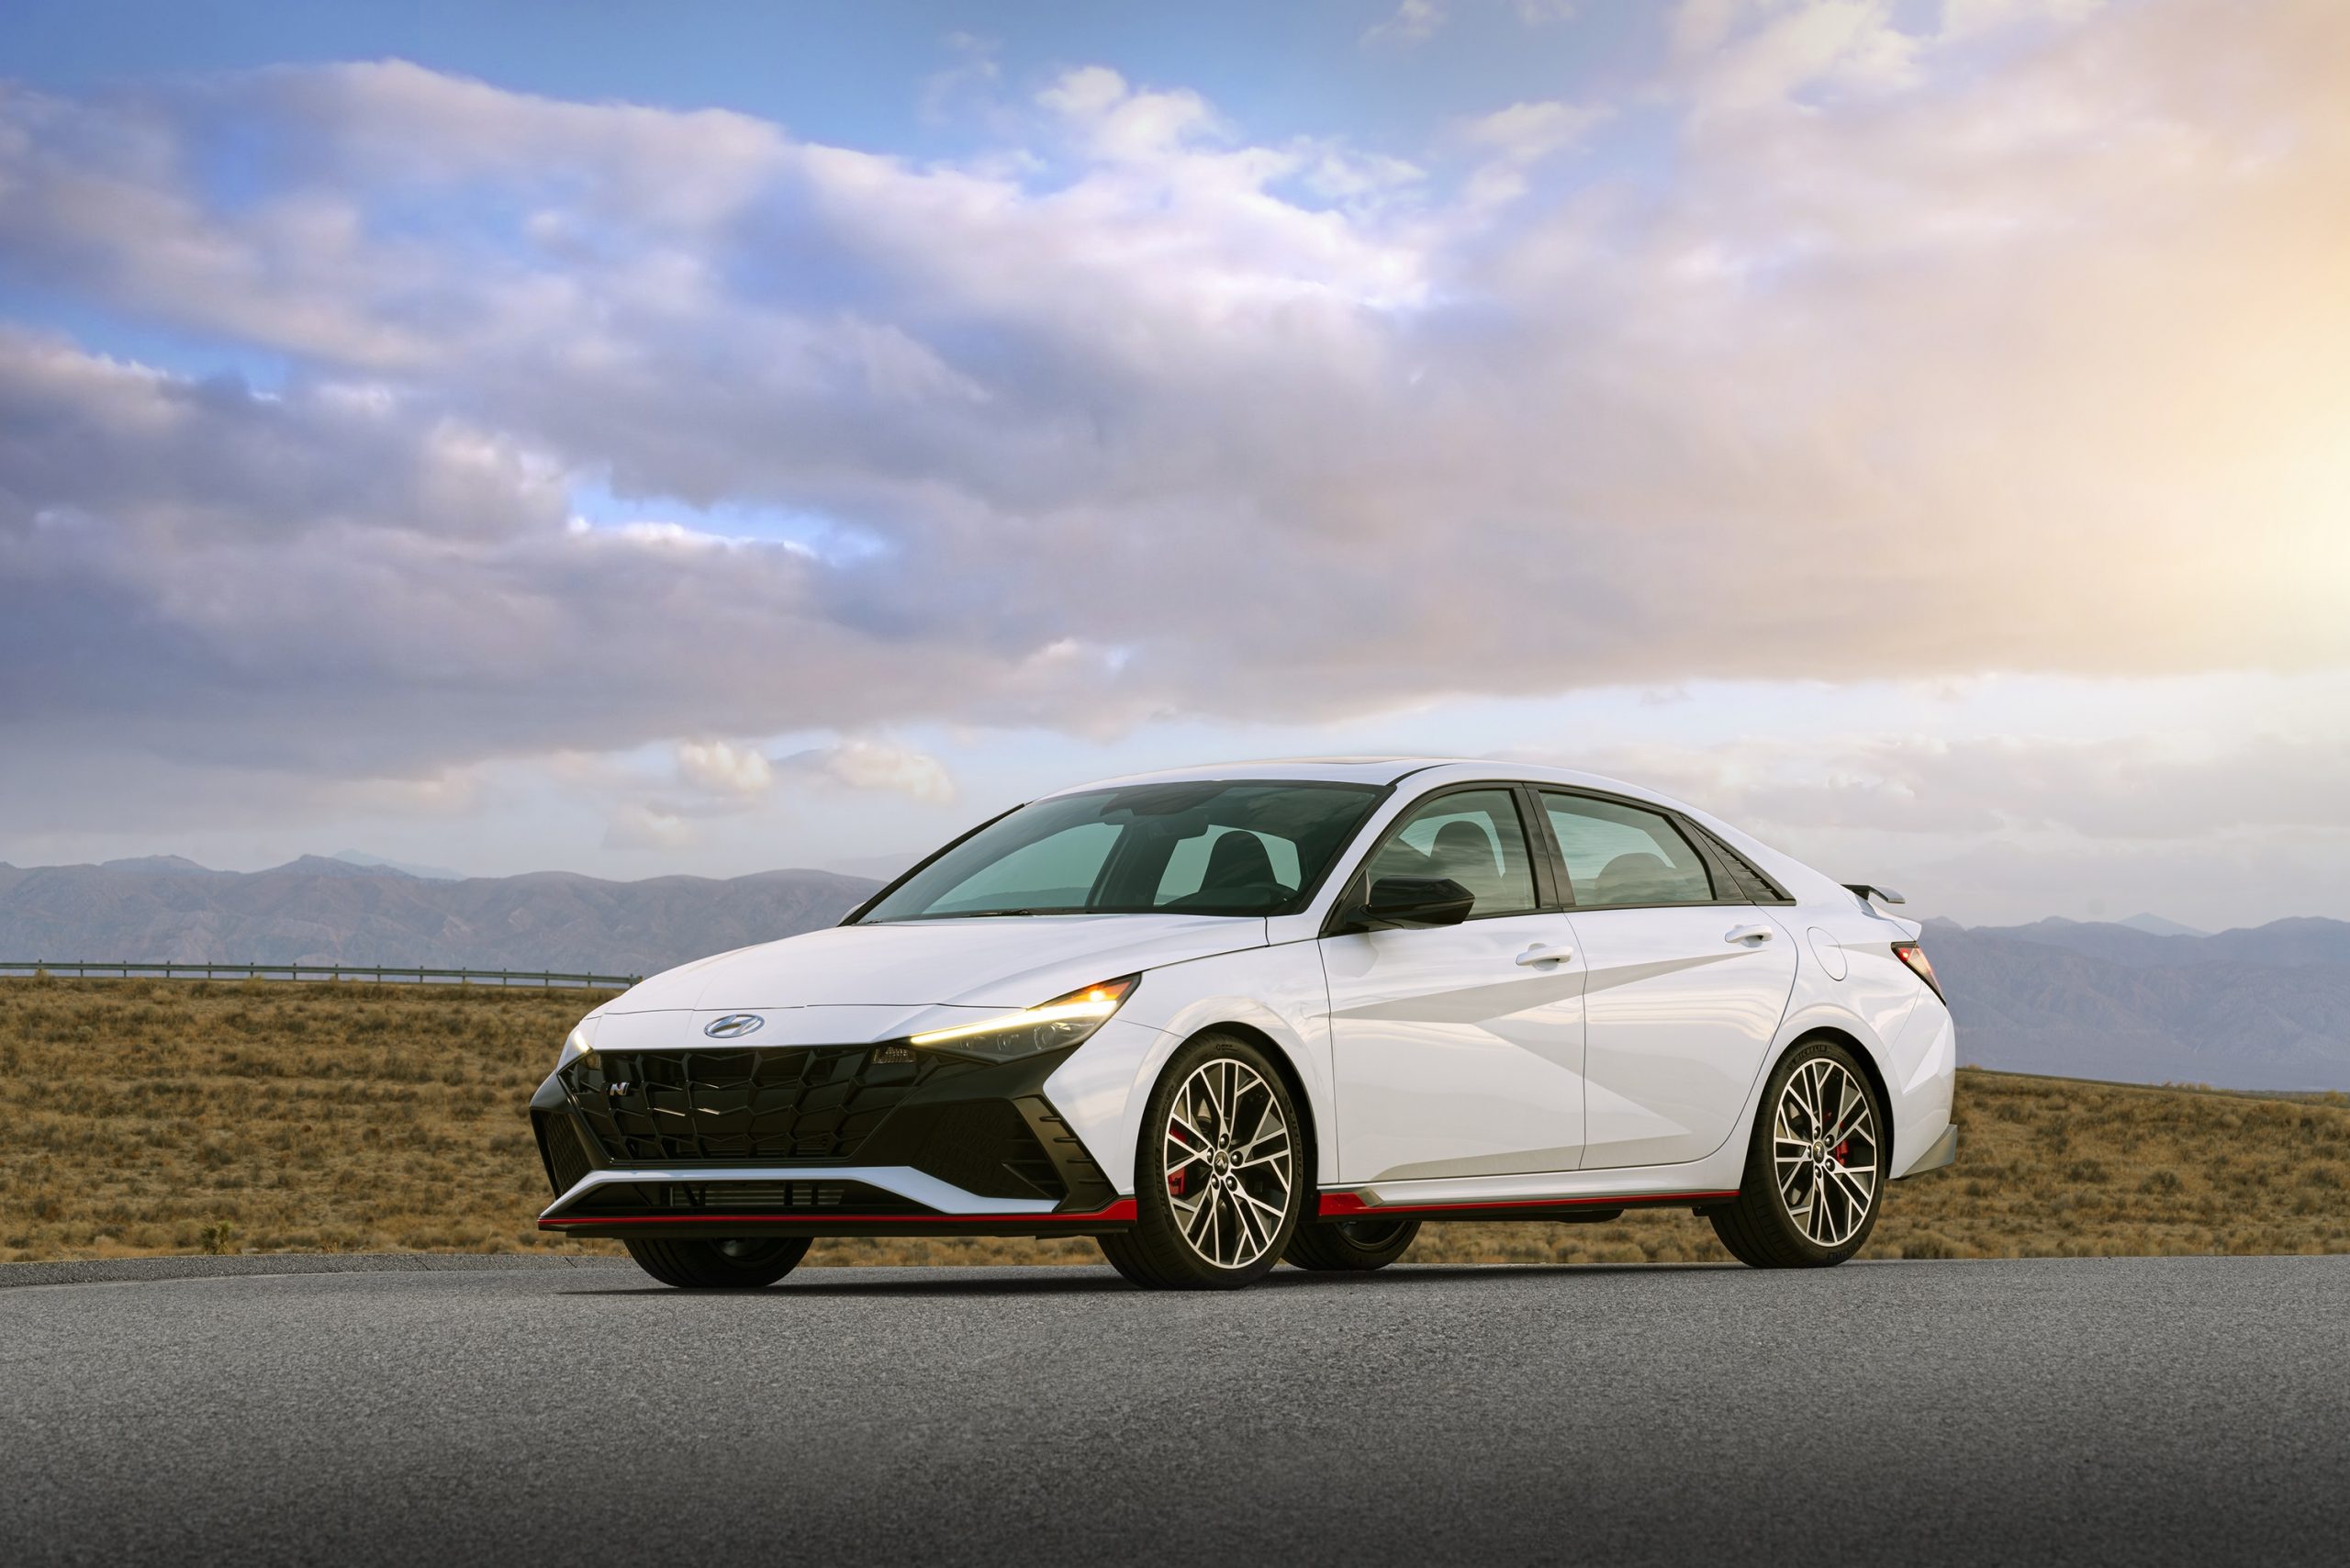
pixel 1220 1215
pixel 1119 1250
pixel 1349 1246
pixel 746 1264
pixel 1809 1199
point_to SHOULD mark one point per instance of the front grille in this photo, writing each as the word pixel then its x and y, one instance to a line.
pixel 781 1102
pixel 812 1198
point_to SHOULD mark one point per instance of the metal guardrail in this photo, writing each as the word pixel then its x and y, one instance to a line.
pixel 381 974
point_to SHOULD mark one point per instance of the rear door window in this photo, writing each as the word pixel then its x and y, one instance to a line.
pixel 1618 855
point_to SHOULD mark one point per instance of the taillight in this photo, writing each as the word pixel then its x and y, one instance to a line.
pixel 1914 957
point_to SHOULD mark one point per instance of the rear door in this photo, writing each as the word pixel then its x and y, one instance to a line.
pixel 1457 1050
pixel 1685 981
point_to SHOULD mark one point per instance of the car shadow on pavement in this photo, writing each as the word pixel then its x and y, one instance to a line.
pixel 1011 1280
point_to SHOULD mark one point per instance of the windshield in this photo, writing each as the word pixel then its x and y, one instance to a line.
pixel 1213 848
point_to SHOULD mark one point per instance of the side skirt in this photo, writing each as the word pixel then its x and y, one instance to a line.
pixel 1588 1210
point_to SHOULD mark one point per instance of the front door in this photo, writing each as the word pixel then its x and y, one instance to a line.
pixel 1686 984
pixel 1457 1050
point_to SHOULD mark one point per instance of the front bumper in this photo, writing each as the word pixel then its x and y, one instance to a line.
pixel 867 1139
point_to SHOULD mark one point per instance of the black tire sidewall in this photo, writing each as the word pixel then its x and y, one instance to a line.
pixel 1325 1246
pixel 704 1265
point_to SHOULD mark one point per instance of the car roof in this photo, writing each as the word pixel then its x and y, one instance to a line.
pixel 1378 770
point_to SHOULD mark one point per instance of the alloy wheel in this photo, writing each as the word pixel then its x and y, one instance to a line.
pixel 1229 1163
pixel 1824 1148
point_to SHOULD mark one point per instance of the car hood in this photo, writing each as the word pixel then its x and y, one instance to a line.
pixel 1007 961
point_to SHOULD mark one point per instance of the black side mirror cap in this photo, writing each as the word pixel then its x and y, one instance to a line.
pixel 1411 902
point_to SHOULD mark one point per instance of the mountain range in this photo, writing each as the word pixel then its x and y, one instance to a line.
pixel 317 910
pixel 2146 1000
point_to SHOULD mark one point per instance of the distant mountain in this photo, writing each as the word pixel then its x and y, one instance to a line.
pixel 317 910
pixel 2155 926
pixel 2267 1007
pixel 430 873
pixel 2280 945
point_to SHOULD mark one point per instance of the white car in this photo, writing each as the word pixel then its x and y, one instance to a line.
pixel 1226 1016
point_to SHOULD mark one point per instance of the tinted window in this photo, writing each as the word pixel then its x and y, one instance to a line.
pixel 1757 887
pixel 1473 837
pixel 1204 848
pixel 1622 855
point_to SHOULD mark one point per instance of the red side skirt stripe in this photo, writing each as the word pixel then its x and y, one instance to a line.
pixel 1343 1205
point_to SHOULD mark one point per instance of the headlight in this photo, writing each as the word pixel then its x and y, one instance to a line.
pixel 1048 1026
pixel 575 1043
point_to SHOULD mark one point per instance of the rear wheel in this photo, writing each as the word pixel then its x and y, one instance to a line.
pixel 1351 1245
pixel 743 1264
pixel 1814 1171
pixel 1217 1181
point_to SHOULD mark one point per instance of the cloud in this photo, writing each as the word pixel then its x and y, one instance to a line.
pixel 1925 361
pixel 639 825
pixel 867 763
pixel 2139 788
pixel 1515 139
pixel 1413 22
pixel 724 770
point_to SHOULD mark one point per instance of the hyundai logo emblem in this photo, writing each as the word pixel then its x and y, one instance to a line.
pixel 733 1026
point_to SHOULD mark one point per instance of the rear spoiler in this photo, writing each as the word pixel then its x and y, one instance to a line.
pixel 1867 891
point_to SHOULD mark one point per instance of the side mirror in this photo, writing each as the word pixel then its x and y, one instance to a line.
pixel 1416 902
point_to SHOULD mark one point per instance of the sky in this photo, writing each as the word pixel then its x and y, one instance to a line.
pixel 640 439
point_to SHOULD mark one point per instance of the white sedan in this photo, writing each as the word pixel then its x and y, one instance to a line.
pixel 1226 1016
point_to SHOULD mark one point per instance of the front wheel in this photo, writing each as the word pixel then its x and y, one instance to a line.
pixel 743 1264
pixel 1814 1171
pixel 1355 1245
pixel 1218 1182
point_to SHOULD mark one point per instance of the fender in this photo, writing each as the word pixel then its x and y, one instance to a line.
pixel 1278 993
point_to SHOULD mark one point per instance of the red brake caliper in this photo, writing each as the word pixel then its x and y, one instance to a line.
pixel 1178 1178
pixel 1843 1149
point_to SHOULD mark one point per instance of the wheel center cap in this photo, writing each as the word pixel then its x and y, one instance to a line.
pixel 1222 1160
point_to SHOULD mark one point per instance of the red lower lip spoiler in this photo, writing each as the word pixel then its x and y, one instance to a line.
pixel 1350 1205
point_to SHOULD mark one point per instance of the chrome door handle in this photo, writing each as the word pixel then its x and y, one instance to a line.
pixel 1533 956
pixel 1747 934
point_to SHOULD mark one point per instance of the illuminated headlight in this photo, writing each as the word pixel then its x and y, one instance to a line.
pixel 1048 1026
pixel 575 1043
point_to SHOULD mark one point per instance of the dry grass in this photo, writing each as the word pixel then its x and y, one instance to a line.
pixel 190 1116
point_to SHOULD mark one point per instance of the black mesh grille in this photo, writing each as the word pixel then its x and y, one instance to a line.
pixel 984 1147
pixel 802 1102
pixel 559 1147
pixel 813 1199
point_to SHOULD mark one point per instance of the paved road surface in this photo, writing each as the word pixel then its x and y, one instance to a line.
pixel 2129 1411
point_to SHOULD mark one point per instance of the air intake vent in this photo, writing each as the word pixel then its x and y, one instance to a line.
pixel 566 1162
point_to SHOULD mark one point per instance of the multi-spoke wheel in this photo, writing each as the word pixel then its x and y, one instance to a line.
pixel 1218 1182
pixel 744 1263
pixel 1816 1170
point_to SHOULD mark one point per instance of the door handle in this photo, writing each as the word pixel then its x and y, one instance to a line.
pixel 1533 956
pixel 1747 934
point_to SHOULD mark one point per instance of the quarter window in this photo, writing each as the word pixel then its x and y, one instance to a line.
pixel 1472 836
pixel 1619 855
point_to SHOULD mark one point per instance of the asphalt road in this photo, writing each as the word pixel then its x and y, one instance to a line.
pixel 2131 1411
